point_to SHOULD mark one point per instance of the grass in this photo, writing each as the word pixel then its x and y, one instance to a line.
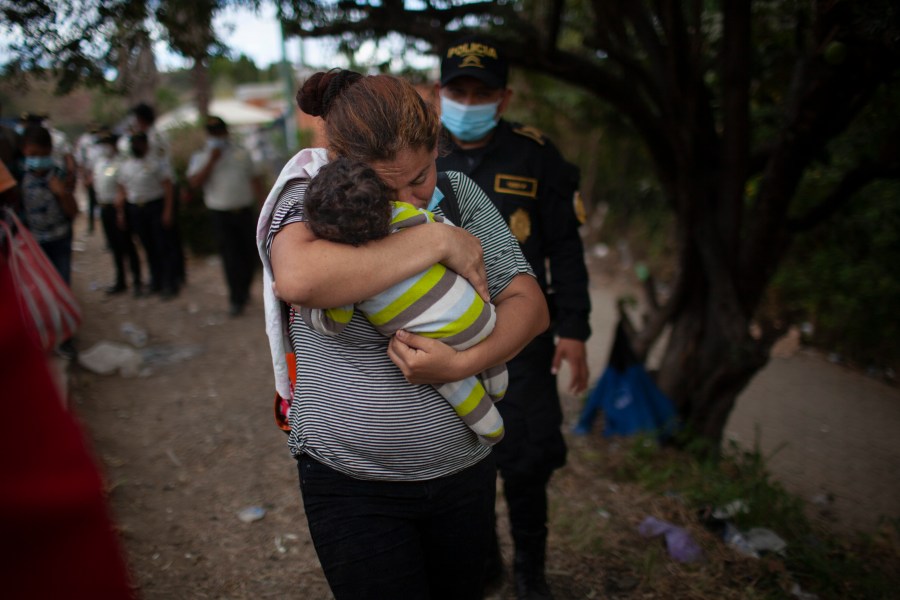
pixel 609 487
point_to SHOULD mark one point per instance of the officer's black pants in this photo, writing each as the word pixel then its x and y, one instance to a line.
pixel 157 242
pixel 533 446
pixel 121 245
pixel 235 233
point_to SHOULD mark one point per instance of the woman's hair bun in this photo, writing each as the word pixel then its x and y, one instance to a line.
pixel 319 91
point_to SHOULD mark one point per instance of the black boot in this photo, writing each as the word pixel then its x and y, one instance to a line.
pixel 528 566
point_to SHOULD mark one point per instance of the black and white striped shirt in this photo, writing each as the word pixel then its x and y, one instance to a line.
pixel 353 410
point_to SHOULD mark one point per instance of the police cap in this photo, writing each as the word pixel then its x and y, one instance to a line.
pixel 475 56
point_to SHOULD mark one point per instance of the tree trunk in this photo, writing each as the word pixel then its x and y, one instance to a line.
pixel 708 361
pixel 200 77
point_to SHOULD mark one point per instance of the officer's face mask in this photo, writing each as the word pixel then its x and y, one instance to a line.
pixel 216 142
pixel 38 163
pixel 468 122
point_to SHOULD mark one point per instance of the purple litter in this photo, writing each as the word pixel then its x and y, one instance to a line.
pixel 680 544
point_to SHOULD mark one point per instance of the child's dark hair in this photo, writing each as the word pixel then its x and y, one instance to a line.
pixel 38 136
pixel 347 202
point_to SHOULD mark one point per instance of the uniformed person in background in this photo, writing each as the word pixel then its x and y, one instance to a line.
pixel 146 193
pixel 232 191
pixel 105 163
pixel 536 191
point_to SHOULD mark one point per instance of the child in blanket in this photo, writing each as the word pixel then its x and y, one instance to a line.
pixel 346 202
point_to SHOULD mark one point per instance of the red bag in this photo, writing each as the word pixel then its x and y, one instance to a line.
pixel 46 302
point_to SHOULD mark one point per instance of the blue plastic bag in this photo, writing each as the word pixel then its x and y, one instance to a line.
pixel 628 397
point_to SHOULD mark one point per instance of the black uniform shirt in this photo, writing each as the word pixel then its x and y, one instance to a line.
pixel 536 191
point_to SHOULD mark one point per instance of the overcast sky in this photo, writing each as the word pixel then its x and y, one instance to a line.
pixel 258 36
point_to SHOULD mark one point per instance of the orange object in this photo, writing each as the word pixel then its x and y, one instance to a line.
pixel 282 405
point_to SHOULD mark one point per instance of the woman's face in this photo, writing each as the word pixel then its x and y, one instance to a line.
pixel 412 175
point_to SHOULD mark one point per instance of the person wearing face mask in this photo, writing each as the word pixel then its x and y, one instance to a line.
pixel 232 189
pixel 62 154
pixel 48 204
pixel 104 170
pixel 536 191
pixel 397 490
pixel 145 202
pixel 48 207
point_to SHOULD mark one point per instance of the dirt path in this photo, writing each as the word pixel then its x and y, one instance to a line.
pixel 831 433
pixel 190 443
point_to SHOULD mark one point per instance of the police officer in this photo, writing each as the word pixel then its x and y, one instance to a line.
pixel 536 191
pixel 232 189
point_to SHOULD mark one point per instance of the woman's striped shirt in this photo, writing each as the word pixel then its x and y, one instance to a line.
pixel 353 410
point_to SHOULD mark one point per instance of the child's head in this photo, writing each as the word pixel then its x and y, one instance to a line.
pixel 37 146
pixel 347 202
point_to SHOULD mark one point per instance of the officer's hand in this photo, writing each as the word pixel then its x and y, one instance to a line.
pixel 573 352
pixel 466 257
pixel 424 360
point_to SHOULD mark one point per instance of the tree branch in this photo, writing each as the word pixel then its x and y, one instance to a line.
pixel 853 181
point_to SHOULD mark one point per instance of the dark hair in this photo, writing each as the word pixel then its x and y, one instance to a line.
pixel 37 135
pixel 369 118
pixel 346 202
pixel 215 125
pixel 144 112
pixel 138 140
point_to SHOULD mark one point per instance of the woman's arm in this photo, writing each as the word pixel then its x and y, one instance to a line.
pixel 521 315
pixel 321 274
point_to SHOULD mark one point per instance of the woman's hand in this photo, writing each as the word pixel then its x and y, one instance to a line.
pixel 424 360
pixel 466 257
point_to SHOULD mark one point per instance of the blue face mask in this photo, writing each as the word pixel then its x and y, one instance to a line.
pixel 38 163
pixel 468 123
pixel 436 196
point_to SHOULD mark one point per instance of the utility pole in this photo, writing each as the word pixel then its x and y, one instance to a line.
pixel 287 75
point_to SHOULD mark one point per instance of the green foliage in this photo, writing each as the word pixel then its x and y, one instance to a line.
pixel 166 99
pixel 240 70
pixel 845 279
pixel 617 175
pixel 844 276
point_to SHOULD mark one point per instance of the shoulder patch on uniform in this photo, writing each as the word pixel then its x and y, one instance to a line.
pixel 532 133
pixel 580 212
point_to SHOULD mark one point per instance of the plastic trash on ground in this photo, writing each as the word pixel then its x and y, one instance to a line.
pixel 136 336
pixel 764 540
pixel 252 513
pixel 679 543
pixel 106 358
